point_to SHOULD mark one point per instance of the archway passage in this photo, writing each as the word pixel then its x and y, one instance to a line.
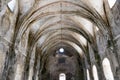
pixel 62 59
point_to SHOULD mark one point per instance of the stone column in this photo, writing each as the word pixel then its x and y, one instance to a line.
pixel 19 68
pixel 32 64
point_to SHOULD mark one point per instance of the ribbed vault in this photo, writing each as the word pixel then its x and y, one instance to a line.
pixel 83 28
pixel 60 24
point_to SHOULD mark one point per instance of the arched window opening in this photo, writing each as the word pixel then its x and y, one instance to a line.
pixel 97 29
pixel 107 69
pixel 11 5
pixel 88 75
pixel 111 3
pixel 95 73
pixel 62 76
pixel 61 50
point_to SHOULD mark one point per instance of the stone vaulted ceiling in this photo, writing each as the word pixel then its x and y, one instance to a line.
pixel 35 28
pixel 52 23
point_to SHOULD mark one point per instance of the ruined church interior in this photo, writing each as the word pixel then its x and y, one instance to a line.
pixel 59 39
